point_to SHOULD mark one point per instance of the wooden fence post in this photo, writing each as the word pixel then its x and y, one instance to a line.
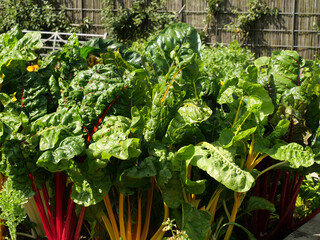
pixel 293 23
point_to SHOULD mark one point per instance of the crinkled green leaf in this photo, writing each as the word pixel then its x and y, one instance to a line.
pixel 293 153
pixel 220 164
pixel 30 88
pixel 58 159
pixel 161 113
pixel 159 50
pixel 261 61
pixel 170 186
pixel 99 46
pixel 256 91
pixel 139 176
pixel 259 203
pixel 115 126
pixel 189 114
pixel 106 148
pixel 16 164
pixel 89 187
pixel 286 68
pixel 23 49
pixel 112 140
pixel 227 137
pixel 195 222
pixel 279 130
pixel 52 129
pixel 180 163
pixel 95 90
pixel 228 90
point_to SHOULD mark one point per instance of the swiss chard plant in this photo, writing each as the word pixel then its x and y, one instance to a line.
pixel 127 141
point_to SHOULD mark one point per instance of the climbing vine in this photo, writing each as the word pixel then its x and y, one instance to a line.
pixel 245 21
pixel 214 6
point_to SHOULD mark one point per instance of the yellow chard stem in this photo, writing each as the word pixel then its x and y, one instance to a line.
pixel 232 219
pixel 2 235
pixel 129 226
pixel 159 234
pixel 138 234
pixel 256 162
pixel 121 217
pixel 238 129
pixel 108 226
pixel 148 212
pixel 111 216
pixel 214 204
pixel 166 92
pixel 237 114
pixel 250 158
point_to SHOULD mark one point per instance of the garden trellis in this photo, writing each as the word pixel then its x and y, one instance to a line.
pixel 54 40
pixel 292 29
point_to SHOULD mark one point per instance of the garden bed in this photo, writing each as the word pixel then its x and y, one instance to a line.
pixel 166 139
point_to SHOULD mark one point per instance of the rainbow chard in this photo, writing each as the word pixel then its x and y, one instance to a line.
pixel 293 87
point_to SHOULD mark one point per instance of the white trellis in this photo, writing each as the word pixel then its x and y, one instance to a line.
pixel 53 40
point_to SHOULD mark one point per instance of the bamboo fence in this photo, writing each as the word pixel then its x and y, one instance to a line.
pixel 292 29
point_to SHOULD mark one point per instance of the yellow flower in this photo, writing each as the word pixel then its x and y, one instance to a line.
pixel 222 83
pixel 32 68
pixel 14 99
pixel 2 76
pixel 36 67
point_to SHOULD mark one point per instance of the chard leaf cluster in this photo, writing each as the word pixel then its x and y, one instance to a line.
pixel 176 127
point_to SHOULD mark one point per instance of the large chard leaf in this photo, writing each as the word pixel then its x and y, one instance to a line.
pixel 258 99
pixel 189 115
pixel 113 140
pixel 105 89
pixel 161 113
pixel 229 136
pixel 293 153
pixel 30 89
pixel 180 163
pixel 91 184
pixel 286 68
pixel 259 203
pixel 50 130
pixel 10 124
pixel 100 46
pixel 17 162
pixel 170 185
pixel 220 164
pixel 159 50
pixel 58 159
pixel 174 55
pixel 19 47
pixel 138 175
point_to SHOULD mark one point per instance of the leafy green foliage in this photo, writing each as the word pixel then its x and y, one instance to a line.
pixel 224 63
pixel 308 199
pixel 186 124
pixel 138 21
pixel 220 164
pixel 11 205
pixel 41 15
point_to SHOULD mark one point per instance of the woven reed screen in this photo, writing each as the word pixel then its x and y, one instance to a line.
pixel 292 29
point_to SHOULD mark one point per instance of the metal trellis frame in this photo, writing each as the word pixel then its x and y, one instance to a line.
pixel 52 40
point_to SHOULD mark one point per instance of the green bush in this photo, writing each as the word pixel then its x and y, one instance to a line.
pixel 39 15
pixel 136 22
